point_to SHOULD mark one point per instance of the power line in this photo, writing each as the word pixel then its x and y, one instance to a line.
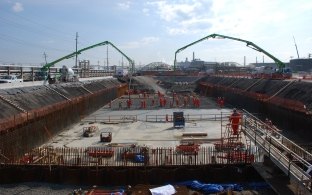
pixel 26 29
pixel 26 43
pixel 46 28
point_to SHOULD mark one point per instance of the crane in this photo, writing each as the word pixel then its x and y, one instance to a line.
pixel 47 66
pixel 280 64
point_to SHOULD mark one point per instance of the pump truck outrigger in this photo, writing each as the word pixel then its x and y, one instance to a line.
pixel 282 72
pixel 67 74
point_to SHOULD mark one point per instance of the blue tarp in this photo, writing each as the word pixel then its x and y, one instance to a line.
pixel 210 188
pixel 139 158
pixel 258 185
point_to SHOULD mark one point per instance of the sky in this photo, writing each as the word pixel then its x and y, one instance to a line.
pixel 35 31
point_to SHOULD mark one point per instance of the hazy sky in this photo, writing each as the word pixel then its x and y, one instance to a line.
pixel 149 31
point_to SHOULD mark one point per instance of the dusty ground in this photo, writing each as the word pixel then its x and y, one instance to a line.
pixel 140 189
pixel 160 133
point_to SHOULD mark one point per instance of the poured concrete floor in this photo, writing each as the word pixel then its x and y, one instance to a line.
pixel 141 132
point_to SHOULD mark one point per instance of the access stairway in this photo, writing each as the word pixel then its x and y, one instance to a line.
pixel 293 160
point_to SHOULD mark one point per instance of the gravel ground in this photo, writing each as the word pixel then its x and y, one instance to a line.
pixel 140 189
pixel 36 189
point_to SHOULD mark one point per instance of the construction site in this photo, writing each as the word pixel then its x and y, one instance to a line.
pixel 169 132
pixel 157 131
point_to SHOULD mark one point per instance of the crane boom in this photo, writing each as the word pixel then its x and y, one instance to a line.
pixel 48 65
pixel 250 44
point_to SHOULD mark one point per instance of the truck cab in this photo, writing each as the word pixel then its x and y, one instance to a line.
pixel 10 79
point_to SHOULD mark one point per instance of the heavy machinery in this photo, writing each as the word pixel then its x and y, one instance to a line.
pixel 138 154
pixel 106 137
pixel 188 148
pixel 89 131
pixel 66 73
pixel 106 152
pixel 268 72
pixel 282 72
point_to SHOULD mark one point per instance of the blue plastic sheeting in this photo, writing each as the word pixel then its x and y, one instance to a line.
pixel 139 158
pixel 210 188
pixel 257 185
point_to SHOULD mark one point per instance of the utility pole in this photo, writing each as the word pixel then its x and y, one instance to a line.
pixel 45 57
pixel 76 49
pixel 244 61
pixel 107 56
pixel 263 59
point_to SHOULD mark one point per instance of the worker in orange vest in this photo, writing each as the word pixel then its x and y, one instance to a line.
pixel 129 103
pixel 235 120
pixel 221 102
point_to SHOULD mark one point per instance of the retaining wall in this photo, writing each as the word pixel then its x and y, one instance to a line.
pixel 288 105
pixel 24 131
pixel 129 175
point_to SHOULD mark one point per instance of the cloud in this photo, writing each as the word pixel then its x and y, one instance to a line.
pixel 17 7
pixel 220 16
pixel 146 11
pixel 142 42
pixel 193 25
pixel 175 11
pixel 125 5
pixel 245 17
pixel 186 17
pixel 309 39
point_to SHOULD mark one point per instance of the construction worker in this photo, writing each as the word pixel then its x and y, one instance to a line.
pixel 129 103
pixel 235 120
pixel 120 104
pixel 269 124
pixel 221 102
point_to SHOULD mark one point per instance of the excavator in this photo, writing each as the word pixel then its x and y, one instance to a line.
pixel 282 72
pixel 66 74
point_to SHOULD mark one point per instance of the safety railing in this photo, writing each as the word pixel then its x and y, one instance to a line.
pixel 189 117
pixel 111 119
pixel 288 156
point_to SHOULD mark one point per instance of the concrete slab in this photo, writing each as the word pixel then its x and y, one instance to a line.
pixel 141 132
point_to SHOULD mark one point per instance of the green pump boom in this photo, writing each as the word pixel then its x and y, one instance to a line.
pixel 279 63
pixel 48 65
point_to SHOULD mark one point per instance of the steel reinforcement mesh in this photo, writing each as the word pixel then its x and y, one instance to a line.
pixel 134 156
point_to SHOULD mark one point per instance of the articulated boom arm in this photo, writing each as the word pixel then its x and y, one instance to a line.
pixel 48 65
pixel 248 44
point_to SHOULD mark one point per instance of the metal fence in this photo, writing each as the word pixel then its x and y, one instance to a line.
pixel 189 117
pixel 133 156
pixel 111 119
